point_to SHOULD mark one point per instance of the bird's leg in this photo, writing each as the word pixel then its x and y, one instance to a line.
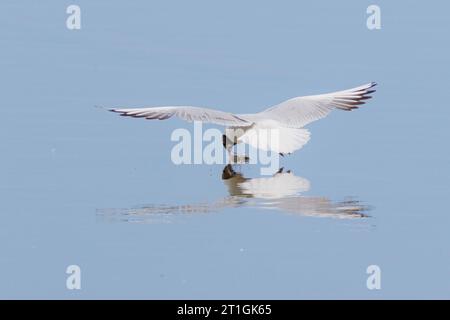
pixel 233 158
pixel 230 155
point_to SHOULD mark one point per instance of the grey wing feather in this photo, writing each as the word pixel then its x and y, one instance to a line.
pixel 300 111
pixel 187 113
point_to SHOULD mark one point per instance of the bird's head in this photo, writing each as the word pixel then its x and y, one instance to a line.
pixel 227 142
pixel 224 141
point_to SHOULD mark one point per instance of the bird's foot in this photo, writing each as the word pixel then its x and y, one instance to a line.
pixel 281 170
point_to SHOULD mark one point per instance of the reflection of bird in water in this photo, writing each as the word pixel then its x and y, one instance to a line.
pixel 282 191
pixel 280 185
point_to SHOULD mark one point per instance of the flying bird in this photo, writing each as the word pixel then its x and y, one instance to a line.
pixel 288 118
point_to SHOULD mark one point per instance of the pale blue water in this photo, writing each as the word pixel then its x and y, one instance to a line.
pixel 79 185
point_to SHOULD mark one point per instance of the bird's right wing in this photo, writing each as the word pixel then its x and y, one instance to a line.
pixel 298 112
pixel 186 113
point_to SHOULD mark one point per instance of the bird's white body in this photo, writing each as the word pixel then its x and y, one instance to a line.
pixel 269 135
pixel 284 122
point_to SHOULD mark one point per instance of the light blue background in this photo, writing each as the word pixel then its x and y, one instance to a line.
pixel 62 159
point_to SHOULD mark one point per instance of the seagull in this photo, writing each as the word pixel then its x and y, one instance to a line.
pixel 289 118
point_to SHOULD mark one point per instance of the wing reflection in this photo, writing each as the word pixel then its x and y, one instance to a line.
pixel 280 185
pixel 282 191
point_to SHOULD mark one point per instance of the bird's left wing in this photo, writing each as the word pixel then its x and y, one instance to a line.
pixel 298 112
pixel 186 113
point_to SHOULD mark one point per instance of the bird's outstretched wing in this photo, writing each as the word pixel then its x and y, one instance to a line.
pixel 186 113
pixel 298 112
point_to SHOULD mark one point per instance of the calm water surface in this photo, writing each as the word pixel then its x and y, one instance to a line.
pixel 79 185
